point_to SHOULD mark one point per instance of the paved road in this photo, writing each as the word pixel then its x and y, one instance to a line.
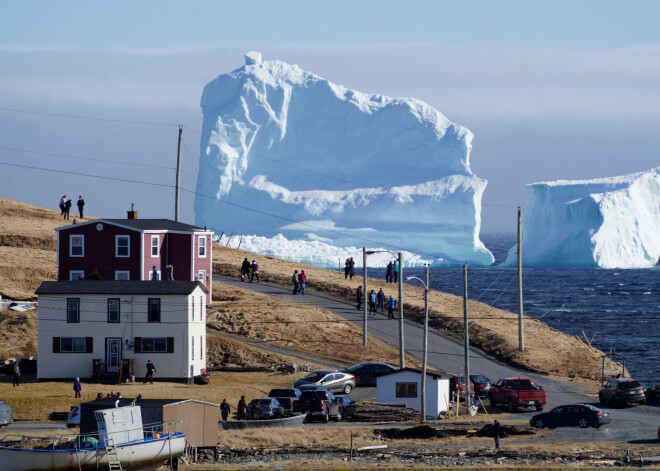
pixel 446 354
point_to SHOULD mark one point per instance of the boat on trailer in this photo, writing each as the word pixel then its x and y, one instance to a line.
pixel 123 443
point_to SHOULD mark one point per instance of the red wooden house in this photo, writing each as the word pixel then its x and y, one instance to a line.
pixel 135 249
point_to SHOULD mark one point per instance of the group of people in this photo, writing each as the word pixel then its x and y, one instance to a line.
pixel 349 268
pixel 249 270
pixel 299 281
pixel 392 272
pixel 225 409
pixel 375 301
pixel 65 206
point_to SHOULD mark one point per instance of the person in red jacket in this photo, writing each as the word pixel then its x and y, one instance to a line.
pixel 302 279
pixel 255 271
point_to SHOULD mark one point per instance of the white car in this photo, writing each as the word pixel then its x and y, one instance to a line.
pixel 73 417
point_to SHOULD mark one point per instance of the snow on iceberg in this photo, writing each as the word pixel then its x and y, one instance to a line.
pixel 602 223
pixel 284 151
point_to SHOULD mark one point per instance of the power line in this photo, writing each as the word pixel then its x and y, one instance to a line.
pixel 88 118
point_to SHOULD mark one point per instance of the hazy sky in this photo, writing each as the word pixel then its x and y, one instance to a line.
pixel 551 90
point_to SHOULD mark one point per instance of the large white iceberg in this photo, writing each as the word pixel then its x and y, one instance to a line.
pixel 605 223
pixel 284 151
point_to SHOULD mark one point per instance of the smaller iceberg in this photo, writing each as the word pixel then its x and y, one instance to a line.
pixel 603 223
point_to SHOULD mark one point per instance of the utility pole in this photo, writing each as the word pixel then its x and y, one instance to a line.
pixel 521 334
pixel 401 347
pixel 178 177
pixel 466 338
pixel 426 342
pixel 364 296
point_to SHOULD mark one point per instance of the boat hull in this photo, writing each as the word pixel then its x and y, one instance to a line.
pixel 132 456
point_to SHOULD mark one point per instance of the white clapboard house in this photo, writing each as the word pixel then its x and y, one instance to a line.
pixel 404 386
pixel 123 324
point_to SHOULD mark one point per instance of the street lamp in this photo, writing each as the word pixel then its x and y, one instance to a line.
pixel 426 337
pixel 366 253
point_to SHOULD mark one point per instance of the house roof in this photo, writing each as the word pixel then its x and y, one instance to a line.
pixel 434 373
pixel 144 403
pixel 143 225
pixel 118 287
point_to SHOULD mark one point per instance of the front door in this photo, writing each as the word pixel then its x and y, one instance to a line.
pixel 112 355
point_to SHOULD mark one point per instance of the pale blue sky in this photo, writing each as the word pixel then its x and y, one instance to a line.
pixel 551 90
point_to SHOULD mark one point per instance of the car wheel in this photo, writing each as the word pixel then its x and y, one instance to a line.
pixel 539 423
pixel 583 422
pixel 338 418
pixel 326 417
pixel 511 406
pixel 348 388
pixel 539 408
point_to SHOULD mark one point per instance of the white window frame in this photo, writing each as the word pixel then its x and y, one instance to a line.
pixel 201 246
pixel 153 344
pixel 192 347
pixel 201 276
pixel 75 274
pixel 75 345
pixel 128 246
pixel 157 246
pixel 193 308
pixel 201 348
pixel 119 273
pixel 82 238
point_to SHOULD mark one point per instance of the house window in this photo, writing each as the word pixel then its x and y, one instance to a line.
pixel 201 349
pixel 72 345
pixel 155 245
pixel 114 311
pixel 201 246
pixel 75 275
pixel 154 344
pixel 76 246
pixel 124 275
pixel 73 310
pixel 193 308
pixel 201 308
pixel 122 246
pixel 154 310
pixel 192 353
pixel 406 389
pixel 201 276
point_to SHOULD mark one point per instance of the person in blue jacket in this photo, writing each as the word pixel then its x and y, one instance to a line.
pixel 372 303
pixel 380 297
pixel 391 303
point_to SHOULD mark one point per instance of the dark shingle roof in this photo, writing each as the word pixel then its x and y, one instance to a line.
pixel 118 287
pixel 429 372
pixel 155 224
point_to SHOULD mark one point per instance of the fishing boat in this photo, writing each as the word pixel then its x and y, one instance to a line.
pixel 123 443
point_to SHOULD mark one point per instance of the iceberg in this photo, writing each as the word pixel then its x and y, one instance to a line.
pixel 603 223
pixel 286 152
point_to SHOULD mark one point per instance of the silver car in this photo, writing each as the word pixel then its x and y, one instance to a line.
pixel 6 416
pixel 335 381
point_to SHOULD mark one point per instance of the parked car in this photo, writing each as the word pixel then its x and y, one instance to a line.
pixel 6 415
pixel 319 403
pixel 619 391
pixel 264 408
pixel 73 417
pixel 347 406
pixel 367 372
pixel 335 381
pixel 517 392
pixel 571 415
pixel 481 385
pixel 457 382
pixel 285 396
pixel 311 387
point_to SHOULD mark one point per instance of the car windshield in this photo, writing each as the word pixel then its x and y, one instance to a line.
pixel 460 379
pixel 479 378
pixel 265 401
pixel 630 384
pixel 315 376
pixel 282 393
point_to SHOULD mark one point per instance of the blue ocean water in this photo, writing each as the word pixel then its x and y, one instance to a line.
pixel 620 309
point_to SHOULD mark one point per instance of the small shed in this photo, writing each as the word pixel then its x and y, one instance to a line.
pixel 199 419
pixel 404 386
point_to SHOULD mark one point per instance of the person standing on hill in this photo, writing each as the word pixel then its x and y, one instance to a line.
pixel 347 268
pixel 77 387
pixel 351 268
pixel 391 303
pixel 294 280
pixel 17 372
pixel 62 201
pixel 245 269
pixel 380 297
pixel 395 272
pixel 151 369
pixel 81 205
pixel 224 410
pixel 67 208
pixel 372 303
pixel 388 273
pixel 255 271
pixel 358 297
pixel 302 279
pixel 242 408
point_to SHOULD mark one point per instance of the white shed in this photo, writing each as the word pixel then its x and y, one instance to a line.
pixel 405 387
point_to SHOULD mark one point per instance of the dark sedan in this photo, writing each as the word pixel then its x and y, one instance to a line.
pixel 367 372
pixel 346 406
pixel 6 416
pixel 481 385
pixel 571 415
pixel 265 408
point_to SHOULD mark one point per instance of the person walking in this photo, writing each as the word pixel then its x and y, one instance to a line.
pixel 77 387
pixel 255 271
pixel 395 272
pixel 391 303
pixel 358 297
pixel 81 205
pixel 302 279
pixel 497 430
pixel 62 201
pixel 388 273
pixel 245 269
pixel 351 268
pixel 372 303
pixel 67 208
pixel 242 408
pixel 294 280
pixel 380 297
pixel 151 369
pixel 347 268
pixel 224 410
pixel 17 372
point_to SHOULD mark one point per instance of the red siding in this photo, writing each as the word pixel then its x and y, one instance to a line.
pixel 204 263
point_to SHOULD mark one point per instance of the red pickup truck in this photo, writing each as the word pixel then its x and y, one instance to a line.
pixel 318 404
pixel 517 392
